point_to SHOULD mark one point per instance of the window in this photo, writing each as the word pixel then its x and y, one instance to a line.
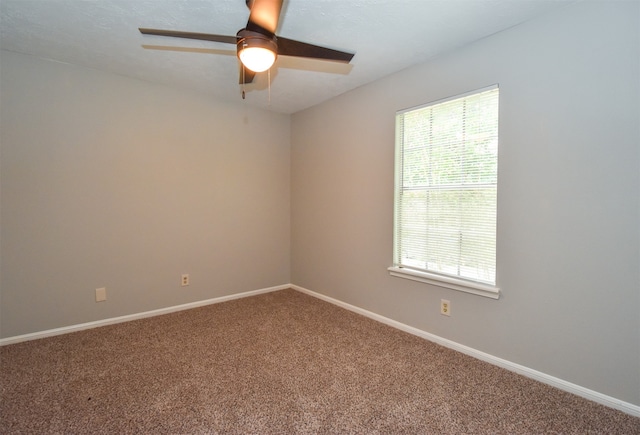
pixel 446 193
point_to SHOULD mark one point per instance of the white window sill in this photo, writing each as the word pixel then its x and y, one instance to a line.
pixel 462 285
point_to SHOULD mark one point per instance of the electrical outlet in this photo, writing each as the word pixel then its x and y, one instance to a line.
pixel 185 279
pixel 445 307
pixel 101 294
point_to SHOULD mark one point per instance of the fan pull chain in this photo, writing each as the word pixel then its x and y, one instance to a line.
pixel 269 74
pixel 243 80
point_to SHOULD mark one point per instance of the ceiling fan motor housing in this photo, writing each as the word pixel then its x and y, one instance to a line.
pixel 250 39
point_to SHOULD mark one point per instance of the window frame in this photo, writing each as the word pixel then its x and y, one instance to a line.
pixel 441 280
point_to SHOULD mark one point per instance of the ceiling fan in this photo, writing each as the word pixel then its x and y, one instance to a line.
pixel 257 44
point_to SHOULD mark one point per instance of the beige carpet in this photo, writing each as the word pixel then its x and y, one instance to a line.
pixel 281 362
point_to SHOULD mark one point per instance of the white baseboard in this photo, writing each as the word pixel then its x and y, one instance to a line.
pixel 130 317
pixel 561 384
pixel 603 399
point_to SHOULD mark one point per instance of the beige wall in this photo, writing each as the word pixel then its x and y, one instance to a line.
pixel 117 183
pixel 568 201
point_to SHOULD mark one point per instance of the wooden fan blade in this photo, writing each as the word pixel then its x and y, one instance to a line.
pixel 190 35
pixel 264 15
pixel 246 75
pixel 290 47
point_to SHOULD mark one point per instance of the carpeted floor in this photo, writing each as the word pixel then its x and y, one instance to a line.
pixel 281 362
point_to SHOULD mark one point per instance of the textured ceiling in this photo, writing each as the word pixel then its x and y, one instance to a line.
pixel 386 35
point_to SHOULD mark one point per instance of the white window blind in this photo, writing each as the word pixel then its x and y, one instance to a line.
pixel 446 187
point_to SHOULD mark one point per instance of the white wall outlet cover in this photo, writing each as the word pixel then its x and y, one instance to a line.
pixel 101 294
pixel 445 307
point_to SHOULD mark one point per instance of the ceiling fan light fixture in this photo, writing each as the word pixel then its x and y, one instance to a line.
pixel 257 59
pixel 256 52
